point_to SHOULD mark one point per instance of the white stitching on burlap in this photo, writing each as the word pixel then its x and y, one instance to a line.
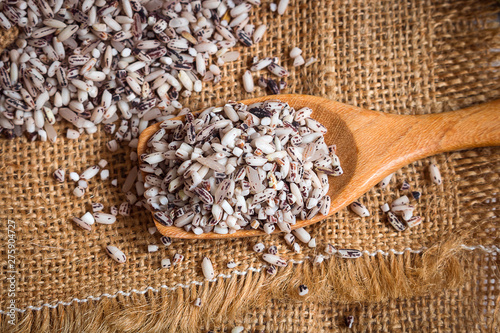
pixel 490 249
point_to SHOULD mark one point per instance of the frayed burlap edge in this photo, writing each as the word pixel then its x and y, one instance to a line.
pixel 368 279
pixel 372 279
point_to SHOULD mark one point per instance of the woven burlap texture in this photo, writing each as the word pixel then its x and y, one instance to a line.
pixel 401 57
pixel 7 37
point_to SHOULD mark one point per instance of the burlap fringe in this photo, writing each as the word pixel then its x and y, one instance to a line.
pixel 368 279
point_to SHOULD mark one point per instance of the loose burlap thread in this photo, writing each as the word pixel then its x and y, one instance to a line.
pixel 409 58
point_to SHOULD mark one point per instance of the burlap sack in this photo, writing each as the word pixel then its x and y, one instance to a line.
pixel 7 37
pixel 391 56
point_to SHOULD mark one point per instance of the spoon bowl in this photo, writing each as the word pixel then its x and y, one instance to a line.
pixel 370 146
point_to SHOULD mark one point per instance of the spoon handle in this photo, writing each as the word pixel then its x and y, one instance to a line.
pixel 476 126
pixel 388 142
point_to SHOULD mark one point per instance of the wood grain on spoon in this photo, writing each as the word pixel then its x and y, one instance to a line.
pixel 372 145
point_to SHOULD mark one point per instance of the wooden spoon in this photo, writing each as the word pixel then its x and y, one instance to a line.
pixel 371 145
